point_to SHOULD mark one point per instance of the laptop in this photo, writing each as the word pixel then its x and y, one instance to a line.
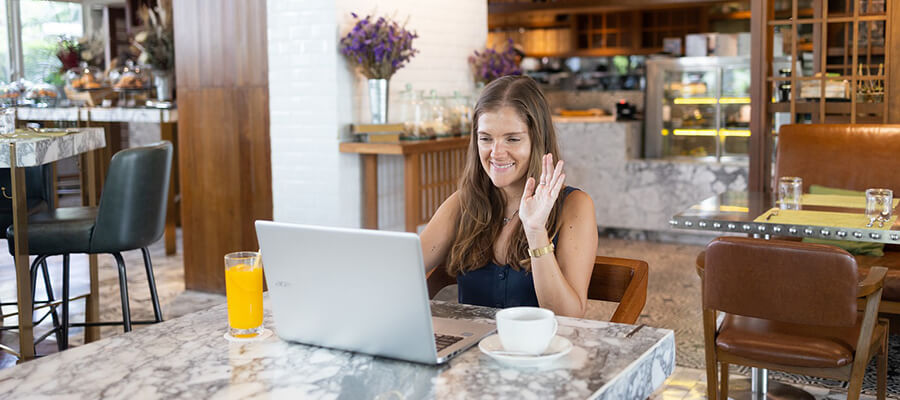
pixel 357 290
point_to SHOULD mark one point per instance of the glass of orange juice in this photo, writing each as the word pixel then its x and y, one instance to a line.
pixel 244 294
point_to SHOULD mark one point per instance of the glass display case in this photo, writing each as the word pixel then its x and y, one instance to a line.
pixel 698 108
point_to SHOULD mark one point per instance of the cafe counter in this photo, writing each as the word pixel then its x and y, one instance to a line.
pixel 629 192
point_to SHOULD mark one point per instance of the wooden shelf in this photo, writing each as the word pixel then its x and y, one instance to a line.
pixel 831 107
pixel 739 15
pixel 861 50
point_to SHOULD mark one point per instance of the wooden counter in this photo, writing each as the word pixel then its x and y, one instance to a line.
pixel 431 170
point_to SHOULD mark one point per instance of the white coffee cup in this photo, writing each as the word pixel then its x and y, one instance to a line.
pixel 526 329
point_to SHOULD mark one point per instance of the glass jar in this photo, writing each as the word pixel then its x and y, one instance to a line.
pixel 42 95
pixel 130 77
pixel 417 117
pixel 460 114
pixel 9 96
pixel 439 123
pixel 85 77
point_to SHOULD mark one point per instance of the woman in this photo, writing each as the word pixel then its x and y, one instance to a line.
pixel 513 234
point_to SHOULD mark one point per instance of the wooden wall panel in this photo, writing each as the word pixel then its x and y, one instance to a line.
pixel 223 132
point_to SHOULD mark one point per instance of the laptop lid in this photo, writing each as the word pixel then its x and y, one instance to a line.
pixel 349 289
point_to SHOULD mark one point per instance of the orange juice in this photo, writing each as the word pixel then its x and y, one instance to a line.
pixel 243 290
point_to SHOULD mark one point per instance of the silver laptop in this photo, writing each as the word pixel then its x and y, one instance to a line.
pixel 358 290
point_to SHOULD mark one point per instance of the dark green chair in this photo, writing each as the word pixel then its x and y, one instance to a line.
pixel 131 216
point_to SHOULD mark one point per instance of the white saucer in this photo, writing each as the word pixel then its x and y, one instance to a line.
pixel 559 346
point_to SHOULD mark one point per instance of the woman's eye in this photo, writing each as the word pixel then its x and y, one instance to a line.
pixel 514 139
pixel 484 139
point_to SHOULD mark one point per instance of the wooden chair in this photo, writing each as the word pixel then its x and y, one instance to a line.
pixel 791 307
pixel 618 280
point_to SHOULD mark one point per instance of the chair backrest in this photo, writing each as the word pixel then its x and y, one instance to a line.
pixel 791 282
pixel 132 210
pixel 613 279
pixel 842 156
pixel 620 280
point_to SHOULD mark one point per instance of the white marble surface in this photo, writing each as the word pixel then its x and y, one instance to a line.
pixel 98 114
pixel 603 159
pixel 38 151
pixel 188 358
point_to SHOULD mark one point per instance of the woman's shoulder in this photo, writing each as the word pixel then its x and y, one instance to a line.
pixel 577 203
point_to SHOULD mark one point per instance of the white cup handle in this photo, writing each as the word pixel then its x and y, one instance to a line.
pixel 555 325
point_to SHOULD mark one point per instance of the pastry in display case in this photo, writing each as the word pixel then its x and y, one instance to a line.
pixel 85 77
pixel 130 77
pixel 698 108
pixel 42 95
pixel 132 82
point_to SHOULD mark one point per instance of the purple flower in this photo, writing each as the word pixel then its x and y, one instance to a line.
pixel 491 64
pixel 379 48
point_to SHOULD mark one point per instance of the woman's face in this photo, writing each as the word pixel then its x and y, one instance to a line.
pixel 504 146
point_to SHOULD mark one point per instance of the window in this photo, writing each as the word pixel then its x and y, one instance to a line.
pixel 43 22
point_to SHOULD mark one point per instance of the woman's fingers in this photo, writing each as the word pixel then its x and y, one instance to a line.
pixel 558 185
pixel 529 189
pixel 556 173
pixel 545 174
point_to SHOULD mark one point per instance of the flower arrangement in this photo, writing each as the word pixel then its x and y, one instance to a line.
pixel 491 64
pixel 157 42
pixel 378 48
pixel 72 52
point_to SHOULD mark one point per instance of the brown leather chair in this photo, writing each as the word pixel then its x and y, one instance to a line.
pixel 792 307
pixel 854 157
pixel 620 280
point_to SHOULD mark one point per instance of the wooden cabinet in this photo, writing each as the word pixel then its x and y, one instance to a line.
pixel 597 32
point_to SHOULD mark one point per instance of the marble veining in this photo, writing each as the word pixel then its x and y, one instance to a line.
pixel 98 114
pixel 38 151
pixel 633 193
pixel 47 114
pixel 188 358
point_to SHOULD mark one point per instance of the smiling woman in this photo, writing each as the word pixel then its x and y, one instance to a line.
pixel 542 258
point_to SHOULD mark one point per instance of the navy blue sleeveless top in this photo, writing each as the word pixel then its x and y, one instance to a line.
pixel 500 286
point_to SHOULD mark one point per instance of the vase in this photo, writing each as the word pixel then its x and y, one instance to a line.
pixel 378 100
pixel 164 82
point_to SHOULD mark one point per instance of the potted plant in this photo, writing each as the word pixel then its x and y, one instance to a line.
pixel 378 49
pixel 157 46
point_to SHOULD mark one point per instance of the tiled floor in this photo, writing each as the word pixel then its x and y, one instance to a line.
pixel 665 259
pixel 690 384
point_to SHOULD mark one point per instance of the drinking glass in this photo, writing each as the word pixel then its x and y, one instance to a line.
pixel 7 121
pixel 790 191
pixel 879 204
pixel 244 294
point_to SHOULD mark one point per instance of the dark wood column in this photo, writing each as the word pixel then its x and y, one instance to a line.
pixel 223 132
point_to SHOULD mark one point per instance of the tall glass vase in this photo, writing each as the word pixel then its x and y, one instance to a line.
pixel 378 100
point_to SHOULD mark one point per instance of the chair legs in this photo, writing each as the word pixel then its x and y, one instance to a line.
pixel 881 385
pixel 65 305
pixel 123 291
pixel 723 387
pixel 148 265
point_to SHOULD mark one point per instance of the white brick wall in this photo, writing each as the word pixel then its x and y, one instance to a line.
pixel 314 97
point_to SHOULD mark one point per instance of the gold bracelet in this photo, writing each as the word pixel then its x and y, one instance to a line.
pixel 541 250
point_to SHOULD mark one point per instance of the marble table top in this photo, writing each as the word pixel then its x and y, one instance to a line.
pixel 97 114
pixel 32 152
pixel 189 358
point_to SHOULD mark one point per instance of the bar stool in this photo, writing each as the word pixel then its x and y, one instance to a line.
pixel 131 215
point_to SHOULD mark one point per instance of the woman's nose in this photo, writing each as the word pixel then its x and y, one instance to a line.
pixel 497 148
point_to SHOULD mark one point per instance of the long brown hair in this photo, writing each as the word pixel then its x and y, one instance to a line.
pixel 482 205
